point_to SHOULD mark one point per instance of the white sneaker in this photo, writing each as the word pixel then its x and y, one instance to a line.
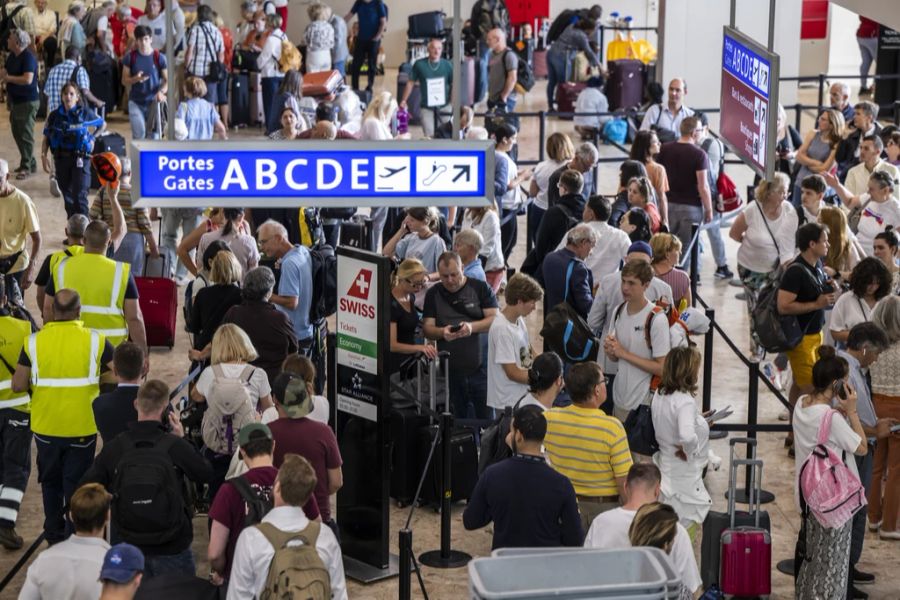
pixel 889 535
pixel 54 187
pixel 874 526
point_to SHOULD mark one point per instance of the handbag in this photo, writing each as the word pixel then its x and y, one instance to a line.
pixel 218 72
pixel 855 215
pixel 639 428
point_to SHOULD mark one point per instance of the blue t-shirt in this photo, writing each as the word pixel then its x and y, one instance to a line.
pixel 200 117
pixel 475 270
pixel 143 92
pixel 369 15
pixel 19 65
pixel 296 280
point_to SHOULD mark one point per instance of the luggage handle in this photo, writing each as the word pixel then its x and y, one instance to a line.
pixel 751 446
pixel 754 492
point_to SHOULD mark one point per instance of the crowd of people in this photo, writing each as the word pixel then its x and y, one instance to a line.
pixel 255 451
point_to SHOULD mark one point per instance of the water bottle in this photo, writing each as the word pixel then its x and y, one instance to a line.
pixel 402 120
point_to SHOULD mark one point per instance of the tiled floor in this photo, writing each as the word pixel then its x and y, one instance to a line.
pixel 729 386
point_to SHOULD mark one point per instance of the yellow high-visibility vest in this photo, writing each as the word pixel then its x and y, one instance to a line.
pixel 13 334
pixel 101 283
pixel 65 378
pixel 60 255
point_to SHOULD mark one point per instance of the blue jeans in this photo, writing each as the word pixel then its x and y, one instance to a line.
pixel 340 66
pixel 169 564
pixel 715 240
pixel 137 116
pixel 557 72
pixel 481 79
pixel 61 463
pixel 131 251
pixel 270 87
pixel 173 218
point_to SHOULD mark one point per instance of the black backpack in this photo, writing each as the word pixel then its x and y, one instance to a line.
pixel 258 503
pixel 7 25
pixel 148 506
pixel 559 24
pixel 524 72
pixel 493 439
pixel 324 276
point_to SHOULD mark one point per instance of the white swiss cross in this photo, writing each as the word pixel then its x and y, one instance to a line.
pixel 362 284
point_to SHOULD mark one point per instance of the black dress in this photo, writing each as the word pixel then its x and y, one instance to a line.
pixel 407 324
pixel 208 311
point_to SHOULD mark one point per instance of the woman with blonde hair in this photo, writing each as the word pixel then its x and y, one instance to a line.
pixel 417 238
pixel 884 493
pixel 816 154
pixel 376 125
pixel 213 301
pixel 655 525
pixel 560 150
pixel 486 221
pixel 843 251
pixel 408 280
pixel 231 355
pixel 666 256
pixel 765 231
pixel 683 436
pixel 319 36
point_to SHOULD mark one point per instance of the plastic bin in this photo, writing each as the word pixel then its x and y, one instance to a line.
pixel 673 578
pixel 626 574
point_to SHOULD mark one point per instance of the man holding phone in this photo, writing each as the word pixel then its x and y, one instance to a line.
pixel 864 344
pixel 144 69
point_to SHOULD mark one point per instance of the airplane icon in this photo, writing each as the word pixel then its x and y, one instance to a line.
pixel 391 172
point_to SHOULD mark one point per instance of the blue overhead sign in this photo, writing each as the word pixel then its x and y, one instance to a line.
pixel 255 173
pixel 746 64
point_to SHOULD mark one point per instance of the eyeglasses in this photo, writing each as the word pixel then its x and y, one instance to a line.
pixel 416 283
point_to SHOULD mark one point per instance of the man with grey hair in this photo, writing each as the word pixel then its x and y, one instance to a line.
pixel 294 294
pixel 74 241
pixel 467 243
pixel 19 222
pixel 566 276
pixel 20 74
pixel 839 98
pixel 503 69
pixel 96 26
pixel 865 122
pixel 586 157
pixel 270 330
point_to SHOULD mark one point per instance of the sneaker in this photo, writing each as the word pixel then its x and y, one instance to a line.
pixel 874 526
pixel 9 539
pixel 54 187
pixel 723 272
pixel 889 535
pixel 736 283
pixel 861 576
pixel 771 373
pixel 855 594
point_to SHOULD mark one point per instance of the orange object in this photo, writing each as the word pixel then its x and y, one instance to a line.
pixel 108 168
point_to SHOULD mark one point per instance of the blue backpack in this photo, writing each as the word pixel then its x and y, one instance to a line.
pixel 615 130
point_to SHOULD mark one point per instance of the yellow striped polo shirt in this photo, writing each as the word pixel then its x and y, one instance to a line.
pixel 588 447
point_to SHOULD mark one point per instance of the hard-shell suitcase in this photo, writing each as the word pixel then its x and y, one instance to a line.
pixel 426 25
pixel 566 95
pixel 625 85
pixel 240 99
pixel 540 64
pixel 746 551
pixel 257 111
pixel 463 465
pixel 358 232
pixel 322 83
pixel 405 425
pixel 158 298
pixel 717 523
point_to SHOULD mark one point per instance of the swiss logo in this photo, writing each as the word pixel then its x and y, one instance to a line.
pixel 362 284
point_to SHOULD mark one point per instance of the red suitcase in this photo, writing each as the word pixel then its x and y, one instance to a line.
pixel 158 298
pixel 322 83
pixel 746 552
pixel 625 85
pixel 566 95
pixel 540 64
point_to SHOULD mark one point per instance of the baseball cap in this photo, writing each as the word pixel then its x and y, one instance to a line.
pixel 640 247
pixel 291 393
pixel 250 430
pixel 121 563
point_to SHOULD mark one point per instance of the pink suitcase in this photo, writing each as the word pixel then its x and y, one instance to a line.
pixel 746 552
pixel 566 95
pixel 540 64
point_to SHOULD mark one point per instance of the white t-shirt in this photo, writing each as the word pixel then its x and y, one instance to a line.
pixel 806 432
pixel 610 531
pixel 875 217
pixel 612 246
pixel 591 100
pixel 631 384
pixel 530 400
pixel 849 310
pixel 510 199
pixel 492 245
pixel 541 176
pixel 507 344
pixel 257 387
pixel 757 251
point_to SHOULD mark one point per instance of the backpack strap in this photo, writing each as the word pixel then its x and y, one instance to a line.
pixel 242 486
pixel 648 324
pixel 279 539
pixel 247 373
pixel 218 371
pixel 659 114
pixel 569 270
pixel 825 428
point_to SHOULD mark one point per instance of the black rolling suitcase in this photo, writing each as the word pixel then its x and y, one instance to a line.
pixel 426 25
pixel 358 232
pixel 625 85
pixel 405 425
pixel 240 99
pixel 463 465
pixel 717 522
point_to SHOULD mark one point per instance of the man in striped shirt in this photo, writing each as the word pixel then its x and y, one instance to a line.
pixel 586 445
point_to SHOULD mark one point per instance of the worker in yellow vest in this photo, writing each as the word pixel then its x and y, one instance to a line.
pixel 15 428
pixel 74 243
pixel 63 363
pixel 109 296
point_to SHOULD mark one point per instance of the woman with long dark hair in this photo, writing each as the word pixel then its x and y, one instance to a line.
pixel 232 233
pixel 644 148
pixel 628 170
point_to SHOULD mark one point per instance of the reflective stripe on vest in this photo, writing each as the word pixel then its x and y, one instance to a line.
pixel 93 377
pixel 110 318
pixel 13 334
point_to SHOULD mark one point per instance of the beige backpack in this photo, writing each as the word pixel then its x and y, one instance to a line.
pixel 296 571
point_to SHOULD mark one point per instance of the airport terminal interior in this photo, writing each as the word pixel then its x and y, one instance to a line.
pixel 685 37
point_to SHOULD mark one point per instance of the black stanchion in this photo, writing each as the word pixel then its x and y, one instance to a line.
pixel 22 561
pixel 707 371
pixel 446 557
pixel 786 566
pixel 743 496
